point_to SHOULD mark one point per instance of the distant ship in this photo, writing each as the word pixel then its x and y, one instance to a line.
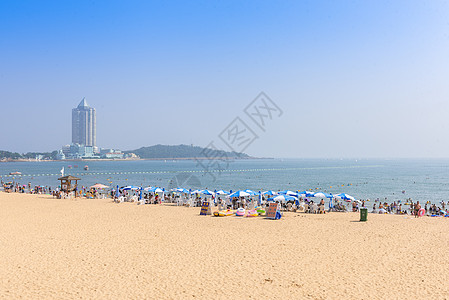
pixel 15 173
pixel 86 167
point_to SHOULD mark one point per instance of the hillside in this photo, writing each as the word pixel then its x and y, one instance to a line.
pixel 6 155
pixel 183 151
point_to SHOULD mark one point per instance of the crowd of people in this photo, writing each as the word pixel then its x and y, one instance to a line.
pixel 15 187
pixel 306 205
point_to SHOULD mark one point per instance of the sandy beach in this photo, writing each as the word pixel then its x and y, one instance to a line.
pixel 97 249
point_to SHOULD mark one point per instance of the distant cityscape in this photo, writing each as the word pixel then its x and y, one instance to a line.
pixel 84 137
pixel 84 146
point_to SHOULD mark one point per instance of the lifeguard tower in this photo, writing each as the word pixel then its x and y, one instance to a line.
pixel 67 184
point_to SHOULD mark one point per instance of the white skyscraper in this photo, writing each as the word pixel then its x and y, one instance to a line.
pixel 84 125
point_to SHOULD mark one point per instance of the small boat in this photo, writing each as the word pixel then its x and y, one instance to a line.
pixel 15 173
pixel 70 166
pixel 86 168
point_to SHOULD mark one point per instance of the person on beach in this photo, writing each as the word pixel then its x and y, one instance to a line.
pixel 417 208
pixel 321 207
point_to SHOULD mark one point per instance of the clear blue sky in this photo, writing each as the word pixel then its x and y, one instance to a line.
pixel 353 78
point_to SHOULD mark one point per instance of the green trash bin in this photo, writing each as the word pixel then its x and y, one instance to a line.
pixel 363 214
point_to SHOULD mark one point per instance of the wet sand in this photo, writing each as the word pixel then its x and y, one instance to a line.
pixel 96 249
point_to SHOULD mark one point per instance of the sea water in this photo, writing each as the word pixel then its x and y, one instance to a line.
pixel 389 180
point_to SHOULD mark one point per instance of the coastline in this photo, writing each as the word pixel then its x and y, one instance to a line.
pixel 131 159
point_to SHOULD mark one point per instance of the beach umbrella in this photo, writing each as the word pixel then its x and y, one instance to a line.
pixel 130 187
pixel 283 198
pixel 153 189
pixel 222 192
pixel 239 194
pixel 99 186
pixel 117 192
pixel 181 190
pixel 322 195
pixel 206 192
pixel 344 196
pixel 251 193
pixel 209 193
pixel 305 194
pixel 290 193
pixel 269 193
pixel 319 195
pixel 140 195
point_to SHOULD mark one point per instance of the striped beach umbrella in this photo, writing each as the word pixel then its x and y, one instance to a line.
pixel 283 198
pixel 252 193
pixel 222 192
pixel 239 194
pixel 344 196
pixel 289 193
pixel 269 193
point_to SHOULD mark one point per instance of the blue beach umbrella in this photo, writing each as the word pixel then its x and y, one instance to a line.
pixel 344 196
pixel 305 194
pixel 140 195
pixel 154 190
pixel 269 193
pixel 207 192
pixel 252 193
pixel 222 192
pixel 290 193
pixel 283 198
pixel 239 194
pixel 322 195
pixel 130 187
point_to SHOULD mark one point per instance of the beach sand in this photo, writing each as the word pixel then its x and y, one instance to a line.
pixel 96 249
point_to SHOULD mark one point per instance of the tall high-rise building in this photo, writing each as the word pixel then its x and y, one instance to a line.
pixel 84 125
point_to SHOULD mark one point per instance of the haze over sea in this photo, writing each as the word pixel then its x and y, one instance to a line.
pixel 421 179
